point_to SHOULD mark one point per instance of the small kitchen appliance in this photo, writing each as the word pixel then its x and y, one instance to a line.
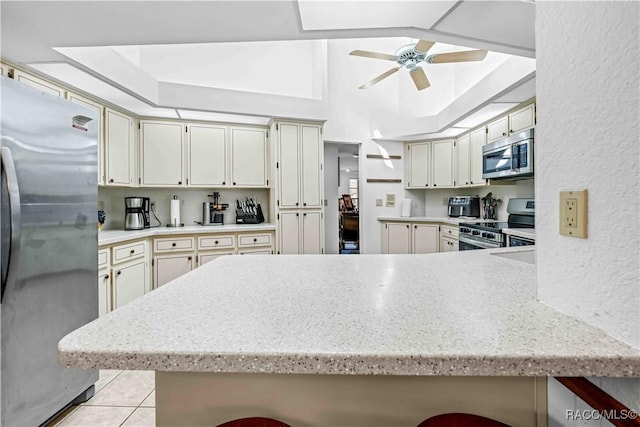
pixel 212 212
pixel 464 206
pixel 488 235
pixel 136 215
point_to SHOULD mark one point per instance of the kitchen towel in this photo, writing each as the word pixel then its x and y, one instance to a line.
pixel 175 211
pixel 406 208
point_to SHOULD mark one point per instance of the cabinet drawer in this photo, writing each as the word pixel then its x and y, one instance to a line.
pixel 130 251
pixel 103 258
pixel 175 244
pixel 248 240
pixel 216 242
pixel 255 252
pixel 449 231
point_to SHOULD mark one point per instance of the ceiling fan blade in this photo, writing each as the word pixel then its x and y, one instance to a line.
pixel 468 55
pixel 424 45
pixel 379 78
pixel 375 55
pixel 419 78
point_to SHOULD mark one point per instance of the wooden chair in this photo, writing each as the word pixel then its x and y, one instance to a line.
pixel 460 420
pixel 254 422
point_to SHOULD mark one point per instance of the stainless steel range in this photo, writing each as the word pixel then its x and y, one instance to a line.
pixel 488 235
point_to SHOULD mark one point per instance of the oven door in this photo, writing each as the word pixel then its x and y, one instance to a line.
pixel 520 241
pixel 467 244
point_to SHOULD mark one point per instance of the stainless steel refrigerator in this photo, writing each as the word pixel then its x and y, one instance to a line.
pixel 49 248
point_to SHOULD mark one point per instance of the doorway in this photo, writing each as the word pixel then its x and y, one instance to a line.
pixel 348 199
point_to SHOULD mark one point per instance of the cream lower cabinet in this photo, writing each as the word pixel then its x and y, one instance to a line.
pixel 448 238
pixel 396 238
pixel 104 281
pixel 129 282
pixel 214 246
pixel 172 257
pixel 424 238
pixel 300 232
pixel 206 257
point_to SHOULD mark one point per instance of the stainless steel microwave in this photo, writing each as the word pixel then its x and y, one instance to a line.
pixel 509 158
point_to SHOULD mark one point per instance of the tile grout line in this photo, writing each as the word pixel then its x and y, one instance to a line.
pixel 139 406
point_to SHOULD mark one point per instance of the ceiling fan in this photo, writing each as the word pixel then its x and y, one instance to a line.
pixel 411 55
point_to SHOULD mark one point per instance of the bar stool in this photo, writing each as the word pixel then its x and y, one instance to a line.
pixel 254 422
pixel 460 420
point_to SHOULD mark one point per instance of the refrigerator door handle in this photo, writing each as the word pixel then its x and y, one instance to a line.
pixel 16 226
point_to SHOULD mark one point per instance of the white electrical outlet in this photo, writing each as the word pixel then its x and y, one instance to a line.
pixel 379 202
pixel 391 200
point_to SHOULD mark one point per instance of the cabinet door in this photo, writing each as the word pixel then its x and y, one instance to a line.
pixel 248 157
pixel 477 139
pixel 207 156
pixel 522 119
pixel 463 152
pixel 312 155
pixel 99 111
pixel 289 224
pixel 425 238
pixel 397 238
pixel 38 83
pixel 418 157
pixel 288 166
pixel 498 129
pixel 169 267
pixel 448 245
pixel 162 153
pixel 205 258
pixel 118 148
pixel 312 233
pixel 129 283
pixel 104 292
pixel 442 164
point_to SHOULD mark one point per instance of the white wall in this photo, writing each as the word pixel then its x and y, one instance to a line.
pixel 112 200
pixel 587 137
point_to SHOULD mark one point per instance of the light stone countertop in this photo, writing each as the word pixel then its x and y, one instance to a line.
pixel 109 237
pixel 527 233
pixel 441 219
pixel 457 313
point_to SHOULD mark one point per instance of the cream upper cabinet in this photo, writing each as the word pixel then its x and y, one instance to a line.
pixel 478 139
pixel 425 238
pixel 162 153
pixel 299 165
pixel 38 83
pixel 119 153
pixel 498 129
pixel 442 163
pixel 207 155
pixel 417 159
pixel 463 160
pixel 248 157
pixel 99 112
pixel 288 166
pixel 522 119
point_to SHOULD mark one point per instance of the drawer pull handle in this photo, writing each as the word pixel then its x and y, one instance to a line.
pixel 106 276
pixel 224 183
pixel 179 182
pixel 255 240
pixel 189 258
pixel 118 272
pixel 173 244
pixel 111 180
pixel 132 251
pixel 216 242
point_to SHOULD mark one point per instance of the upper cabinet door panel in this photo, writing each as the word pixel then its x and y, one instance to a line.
pixel 498 129
pixel 418 165
pixel 312 149
pixel 462 156
pixel 522 119
pixel 98 110
pixel 478 139
pixel 38 83
pixel 248 157
pixel 207 155
pixel 119 148
pixel 442 164
pixel 162 159
pixel 288 165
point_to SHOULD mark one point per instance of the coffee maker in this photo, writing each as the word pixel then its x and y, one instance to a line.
pixel 136 215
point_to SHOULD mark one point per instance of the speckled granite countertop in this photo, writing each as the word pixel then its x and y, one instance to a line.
pixel 441 219
pixel 527 233
pixel 366 314
pixel 110 237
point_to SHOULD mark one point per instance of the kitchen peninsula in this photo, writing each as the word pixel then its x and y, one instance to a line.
pixel 366 340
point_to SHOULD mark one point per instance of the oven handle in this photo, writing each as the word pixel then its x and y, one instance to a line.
pixel 514 156
pixel 479 244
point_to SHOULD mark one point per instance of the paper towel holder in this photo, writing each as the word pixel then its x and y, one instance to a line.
pixel 175 206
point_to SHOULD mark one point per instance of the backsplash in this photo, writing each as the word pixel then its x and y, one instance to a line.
pixel 436 200
pixel 111 200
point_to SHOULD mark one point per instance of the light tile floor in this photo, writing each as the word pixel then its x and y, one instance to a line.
pixel 123 398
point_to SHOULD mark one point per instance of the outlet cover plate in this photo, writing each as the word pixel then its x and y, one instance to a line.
pixel 573 213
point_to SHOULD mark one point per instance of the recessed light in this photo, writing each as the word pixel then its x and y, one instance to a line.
pixel 347 170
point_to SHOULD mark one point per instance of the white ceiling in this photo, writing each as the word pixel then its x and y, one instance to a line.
pixel 152 50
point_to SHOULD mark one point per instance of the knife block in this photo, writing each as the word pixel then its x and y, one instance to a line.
pixel 246 218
